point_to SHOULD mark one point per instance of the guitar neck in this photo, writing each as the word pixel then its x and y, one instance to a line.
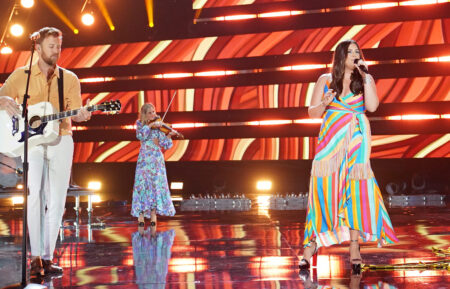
pixel 65 114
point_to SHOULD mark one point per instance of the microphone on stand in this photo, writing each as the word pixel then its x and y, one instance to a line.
pixel 35 36
pixel 362 67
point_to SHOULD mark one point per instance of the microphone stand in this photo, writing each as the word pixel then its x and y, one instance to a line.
pixel 25 169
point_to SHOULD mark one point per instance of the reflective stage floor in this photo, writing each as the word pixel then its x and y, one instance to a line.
pixel 259 248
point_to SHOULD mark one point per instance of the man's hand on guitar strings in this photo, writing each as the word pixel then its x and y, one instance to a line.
pixel 8 104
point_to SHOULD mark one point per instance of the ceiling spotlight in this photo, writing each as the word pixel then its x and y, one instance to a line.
pixel 16 30
pixel 87 19
pixel 27 3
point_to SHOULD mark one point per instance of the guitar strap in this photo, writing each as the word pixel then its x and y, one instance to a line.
pixel 61 90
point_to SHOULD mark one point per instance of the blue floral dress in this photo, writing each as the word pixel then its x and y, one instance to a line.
pixel 151 190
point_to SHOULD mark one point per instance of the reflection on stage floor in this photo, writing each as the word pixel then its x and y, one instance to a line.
pixel 257 248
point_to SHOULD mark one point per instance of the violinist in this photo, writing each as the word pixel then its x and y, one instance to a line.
pixel 151 195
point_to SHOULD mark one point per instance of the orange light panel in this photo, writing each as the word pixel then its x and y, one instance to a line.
pixel 183 125
pixel 239 17
pixel 378 5
pixel 394 117
pixel 275 14
pixel 210 73
pixel 177 75
pixel 308 66
pixel 417 2
pixel 419 116
pixel 275 122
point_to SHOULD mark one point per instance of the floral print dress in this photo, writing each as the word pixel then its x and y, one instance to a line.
pixel 151 190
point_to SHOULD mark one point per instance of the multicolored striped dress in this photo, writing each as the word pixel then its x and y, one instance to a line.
pixel 343 192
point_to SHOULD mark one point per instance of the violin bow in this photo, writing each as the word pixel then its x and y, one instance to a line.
pixel 170 103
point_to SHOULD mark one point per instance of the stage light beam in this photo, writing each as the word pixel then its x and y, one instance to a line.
pixel 55 9
pixel 149 7
pixel 102 7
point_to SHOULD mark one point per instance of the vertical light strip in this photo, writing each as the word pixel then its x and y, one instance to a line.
pixel 305 148
pixel 275 95
pixel 155 51
pixel 309 92
pixel 190 99
pixel 241 147
pixel 141 99
pixel 350 34
pixel 112 150
pixel 191 280
pixel 276 151
pixel 432 146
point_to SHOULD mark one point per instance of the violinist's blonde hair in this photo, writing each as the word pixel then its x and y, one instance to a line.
pixel 144 109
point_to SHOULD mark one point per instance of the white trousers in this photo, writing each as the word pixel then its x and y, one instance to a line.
pixel 48 181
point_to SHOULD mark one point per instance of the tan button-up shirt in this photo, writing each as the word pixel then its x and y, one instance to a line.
pixel 42 90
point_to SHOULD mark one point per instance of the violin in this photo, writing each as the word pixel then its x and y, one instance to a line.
pixel 165 127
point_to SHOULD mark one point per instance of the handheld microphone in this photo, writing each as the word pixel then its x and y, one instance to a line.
pixel 362 67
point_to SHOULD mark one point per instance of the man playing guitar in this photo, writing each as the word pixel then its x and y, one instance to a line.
pixel 49 164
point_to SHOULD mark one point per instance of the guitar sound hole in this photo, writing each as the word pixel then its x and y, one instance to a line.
pixel 35 122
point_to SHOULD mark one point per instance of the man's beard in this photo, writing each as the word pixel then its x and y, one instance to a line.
pixel 49 60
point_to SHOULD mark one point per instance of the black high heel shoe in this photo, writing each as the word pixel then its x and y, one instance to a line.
pixel 304 264
pixel 356 267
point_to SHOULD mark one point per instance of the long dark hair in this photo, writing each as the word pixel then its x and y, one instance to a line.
pixel 337 72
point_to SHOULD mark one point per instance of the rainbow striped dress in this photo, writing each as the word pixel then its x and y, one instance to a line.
pixel 343 192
